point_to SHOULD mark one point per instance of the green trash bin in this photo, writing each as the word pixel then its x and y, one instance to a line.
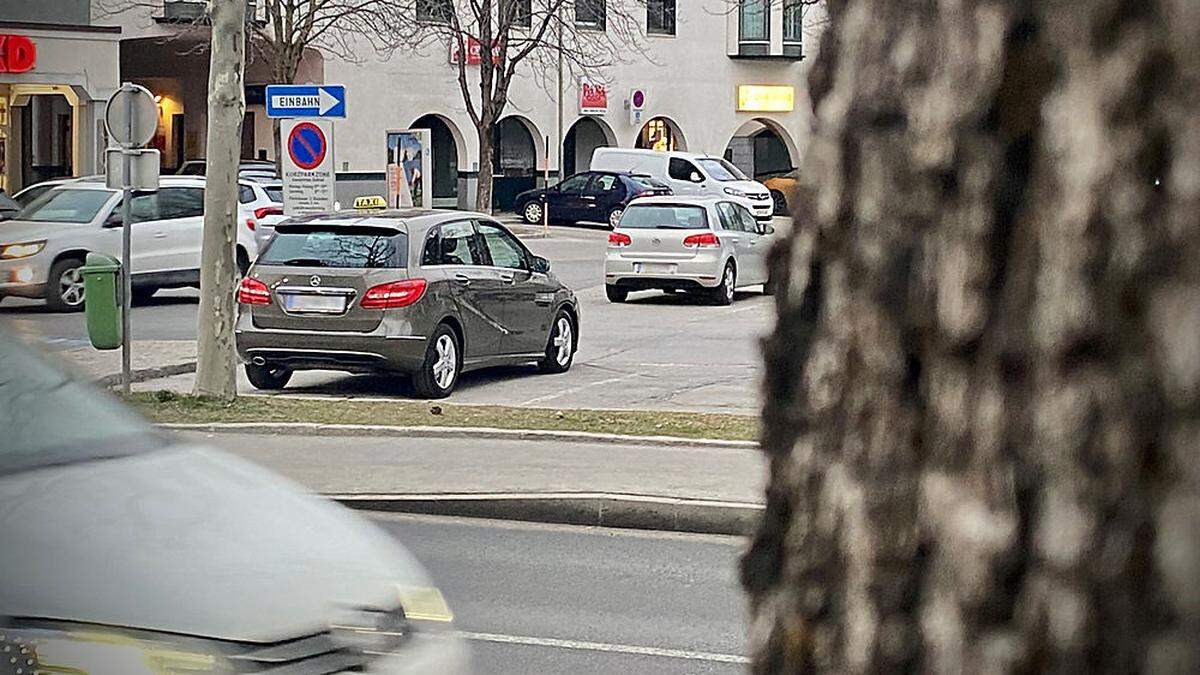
pixel 102 300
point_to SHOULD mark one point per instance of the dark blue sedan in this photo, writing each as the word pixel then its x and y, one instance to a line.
pixel 593 196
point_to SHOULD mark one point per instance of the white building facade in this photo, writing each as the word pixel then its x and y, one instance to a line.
pixel 724 77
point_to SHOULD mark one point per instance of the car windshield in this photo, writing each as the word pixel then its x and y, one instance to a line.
pixel 66 205
pixel 721 170
pixel 311 245
pixel 648 183
pixel 665 217
pixel 274 192
pixel 50 419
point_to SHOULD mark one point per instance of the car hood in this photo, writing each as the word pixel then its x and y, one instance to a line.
pixel 748 186
pixel 16 231
pixel 189 540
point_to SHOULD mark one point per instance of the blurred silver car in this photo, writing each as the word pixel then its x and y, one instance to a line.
pixel 126 550
pixel 708 245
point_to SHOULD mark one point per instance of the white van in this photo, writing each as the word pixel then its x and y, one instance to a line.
pixel 689 173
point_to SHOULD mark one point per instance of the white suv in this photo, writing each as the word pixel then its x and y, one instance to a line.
pixel 43 249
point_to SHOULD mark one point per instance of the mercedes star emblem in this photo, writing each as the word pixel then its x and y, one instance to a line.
pixel 314 280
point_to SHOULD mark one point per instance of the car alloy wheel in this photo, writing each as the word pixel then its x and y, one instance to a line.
pixel 729 281
pixel 533 213
pixel 614 218
pixel 445 368
pixel 562 340
pixel 560 347
pixel 70 287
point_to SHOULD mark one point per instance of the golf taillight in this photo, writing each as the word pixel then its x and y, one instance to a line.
pixel 253 292
pixel 706 240
pixel 618 239
pixel 393 295
pixel 268 211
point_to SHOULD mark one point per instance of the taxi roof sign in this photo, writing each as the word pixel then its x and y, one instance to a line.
pixel 372 202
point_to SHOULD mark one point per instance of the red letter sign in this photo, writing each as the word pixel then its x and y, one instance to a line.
pixel 17 54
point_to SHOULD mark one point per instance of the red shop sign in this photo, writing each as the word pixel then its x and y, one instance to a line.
pixel 474 51
pixel 593 97
pixel 17 53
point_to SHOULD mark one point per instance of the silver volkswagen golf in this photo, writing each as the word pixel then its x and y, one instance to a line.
pixel 431 294
pixel 707 245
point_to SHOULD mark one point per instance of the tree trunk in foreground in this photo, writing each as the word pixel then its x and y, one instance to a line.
pixel 983 392
pixel 216 373
pixel 487 149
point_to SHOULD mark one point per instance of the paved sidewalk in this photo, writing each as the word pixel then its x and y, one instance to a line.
pixel 368 465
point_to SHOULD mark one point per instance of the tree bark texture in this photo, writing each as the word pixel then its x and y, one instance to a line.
pixel 483 188
pixel 983 390
pixel 216 373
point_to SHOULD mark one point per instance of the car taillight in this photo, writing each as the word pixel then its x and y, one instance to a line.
pixel 706 240
pixel 268 211
pixel 618 239
pixel 392 295
pixel 253 292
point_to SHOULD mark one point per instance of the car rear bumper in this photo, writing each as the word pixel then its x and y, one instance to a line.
pixel 378 351
pixel 700 272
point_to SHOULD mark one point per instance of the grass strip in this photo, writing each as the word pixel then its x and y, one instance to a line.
pixel 169 407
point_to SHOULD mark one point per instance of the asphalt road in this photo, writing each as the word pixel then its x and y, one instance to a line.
pixel 658 351
pixel 548 599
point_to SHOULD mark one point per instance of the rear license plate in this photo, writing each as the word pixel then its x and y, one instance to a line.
pixel 318 304
pixel 654 268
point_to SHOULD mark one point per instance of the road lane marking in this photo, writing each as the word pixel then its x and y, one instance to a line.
pixel 603 647
pixel 576 390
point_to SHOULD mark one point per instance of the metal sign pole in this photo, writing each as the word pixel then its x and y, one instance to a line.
pixel 126 261
pixel 546 205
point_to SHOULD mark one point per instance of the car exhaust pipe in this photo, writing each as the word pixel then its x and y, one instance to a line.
pixel 258 361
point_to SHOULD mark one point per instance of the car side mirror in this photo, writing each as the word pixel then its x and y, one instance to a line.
pixel 696 177
pixel 540 265
pixel 114 220
pixel 766 229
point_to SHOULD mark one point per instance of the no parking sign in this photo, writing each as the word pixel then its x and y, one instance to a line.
pixel 307 166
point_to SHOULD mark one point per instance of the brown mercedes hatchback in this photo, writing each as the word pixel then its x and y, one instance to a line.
pixel 431 294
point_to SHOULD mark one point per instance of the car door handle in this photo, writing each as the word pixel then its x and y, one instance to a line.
pixel 160 235
pixel 463 279
pixel 508 278
pixel 588 199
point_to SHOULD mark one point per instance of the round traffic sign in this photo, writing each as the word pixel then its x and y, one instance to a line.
pixel 306 145
pixel 639 98
pixel 131 116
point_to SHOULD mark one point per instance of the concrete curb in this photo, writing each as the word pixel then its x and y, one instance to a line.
pixel 146 374
pixel 308 428
pixel 574 508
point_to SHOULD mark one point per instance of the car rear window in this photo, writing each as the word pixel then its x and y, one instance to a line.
pixel 665 217
pixel 309 245
pixel 274 192
pixel 66 205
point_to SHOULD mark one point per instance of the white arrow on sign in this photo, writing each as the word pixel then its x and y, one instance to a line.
pixel 323 101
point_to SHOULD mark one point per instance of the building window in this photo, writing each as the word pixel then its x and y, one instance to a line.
pixel 522 12
pixel 754 20
pixel 660 17
pixel 590 14
pixel 435 11
pixel 793 21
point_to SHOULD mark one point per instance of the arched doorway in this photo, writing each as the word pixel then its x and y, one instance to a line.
pixel 447 148
pixel 584 136
pixel 661 133
pixel 514 161
pixel 762 147
pixel 765 151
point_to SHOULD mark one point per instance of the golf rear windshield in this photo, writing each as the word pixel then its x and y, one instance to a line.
pixel 345 247
pixel 665 217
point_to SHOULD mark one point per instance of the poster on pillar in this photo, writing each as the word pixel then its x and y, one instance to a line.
pixel 409 168
pixel 593 97
pixel 307 166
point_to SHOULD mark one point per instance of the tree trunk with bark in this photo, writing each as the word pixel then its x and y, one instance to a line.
pixel 983 391
pixel 216 373
pixel 487 149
